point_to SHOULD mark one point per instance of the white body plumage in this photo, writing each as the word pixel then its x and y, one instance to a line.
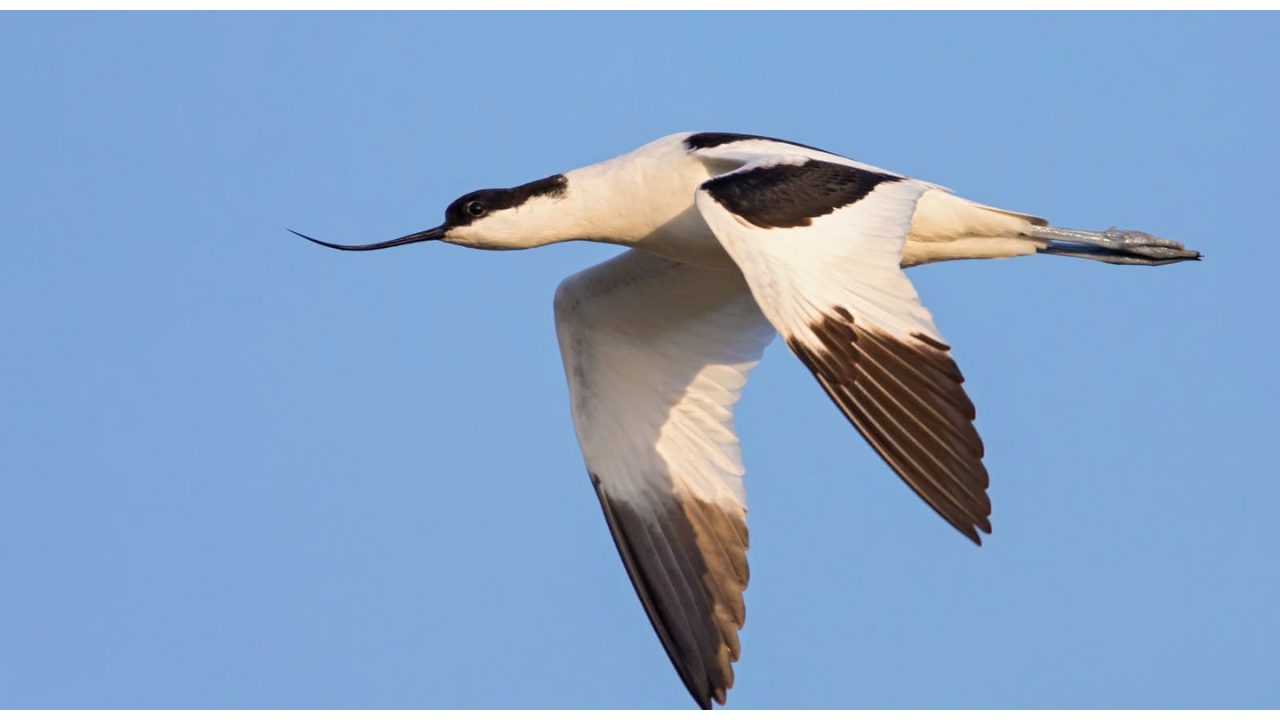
pixel 735 238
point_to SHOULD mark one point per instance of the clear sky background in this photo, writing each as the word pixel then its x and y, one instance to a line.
pixel 238 470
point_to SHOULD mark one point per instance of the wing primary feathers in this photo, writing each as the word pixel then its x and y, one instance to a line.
pixel 879 383
pixel 623 526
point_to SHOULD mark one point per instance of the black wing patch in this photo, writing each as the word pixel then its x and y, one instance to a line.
pixel 906 397
pixel 705 140
pixel 791 195
pixel 687 561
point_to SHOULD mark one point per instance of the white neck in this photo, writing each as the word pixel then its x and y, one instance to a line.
pixel 623 201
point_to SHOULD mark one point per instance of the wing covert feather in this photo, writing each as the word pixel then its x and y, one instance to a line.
pixel 823 259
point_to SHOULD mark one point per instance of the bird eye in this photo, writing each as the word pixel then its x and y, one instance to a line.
pixel 475 208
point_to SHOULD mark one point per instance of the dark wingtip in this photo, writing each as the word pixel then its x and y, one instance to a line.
pixel 975 532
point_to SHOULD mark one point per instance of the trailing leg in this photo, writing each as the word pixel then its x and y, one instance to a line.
pixel 1120 247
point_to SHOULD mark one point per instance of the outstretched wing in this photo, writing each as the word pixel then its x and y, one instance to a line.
pixel 819 239
pixel 656 353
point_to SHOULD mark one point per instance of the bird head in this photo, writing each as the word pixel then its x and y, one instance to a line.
pixel 494 219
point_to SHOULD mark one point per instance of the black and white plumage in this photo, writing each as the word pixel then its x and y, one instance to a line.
pixel 734 238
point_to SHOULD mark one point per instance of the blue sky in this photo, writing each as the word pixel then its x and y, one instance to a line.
pixel 237 470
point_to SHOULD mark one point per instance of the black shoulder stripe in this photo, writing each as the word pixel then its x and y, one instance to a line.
pixel 790 195
pixel 704 140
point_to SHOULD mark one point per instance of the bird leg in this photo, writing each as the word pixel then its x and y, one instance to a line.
pixel 1120 247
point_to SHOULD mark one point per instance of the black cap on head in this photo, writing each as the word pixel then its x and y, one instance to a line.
pixel 466 210
pixel 475 205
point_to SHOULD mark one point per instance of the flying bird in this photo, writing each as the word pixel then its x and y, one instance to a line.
pixel 732 239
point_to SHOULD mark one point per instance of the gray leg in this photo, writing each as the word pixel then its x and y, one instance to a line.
pixel 1121 247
